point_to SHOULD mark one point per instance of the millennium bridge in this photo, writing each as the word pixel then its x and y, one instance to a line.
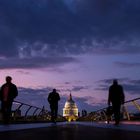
pixel 34 123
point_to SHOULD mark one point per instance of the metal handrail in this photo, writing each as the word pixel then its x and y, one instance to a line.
pixel 38 113
pixel 29 107
pixel 101 113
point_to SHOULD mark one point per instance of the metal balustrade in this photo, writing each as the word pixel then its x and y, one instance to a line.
pixel 29 107
pixel 101 114
pixel 22 112
pixel 26 112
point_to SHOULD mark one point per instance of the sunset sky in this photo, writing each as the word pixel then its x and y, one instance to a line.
pixel 76 46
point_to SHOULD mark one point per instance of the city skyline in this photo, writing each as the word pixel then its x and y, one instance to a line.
pixel 74 46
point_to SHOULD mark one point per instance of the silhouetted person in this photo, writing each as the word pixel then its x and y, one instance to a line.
pixel 116 97
pixel 8 92
pixel 53 99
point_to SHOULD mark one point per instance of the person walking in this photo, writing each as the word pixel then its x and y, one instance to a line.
pixel 116 97
pixel 53 99
pixel 8 92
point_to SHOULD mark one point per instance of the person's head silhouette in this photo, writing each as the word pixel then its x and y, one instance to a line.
pixel 115 82
pixel 54 90
pixel 8 79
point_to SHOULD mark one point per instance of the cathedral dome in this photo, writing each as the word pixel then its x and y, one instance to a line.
pixel 70 103
pixel 70 110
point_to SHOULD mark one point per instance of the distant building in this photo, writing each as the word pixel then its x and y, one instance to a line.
pixel 84 113
pixel 70 110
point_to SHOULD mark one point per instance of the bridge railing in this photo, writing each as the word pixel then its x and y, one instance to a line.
pixel 23 112
pixel 26 112
pixel 126 112
pixel 37 110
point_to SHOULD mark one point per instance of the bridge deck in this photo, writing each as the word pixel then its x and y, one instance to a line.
pixel 70 131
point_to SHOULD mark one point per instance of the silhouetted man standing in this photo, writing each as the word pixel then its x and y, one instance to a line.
pixel 8 92
pixel 116 97
pixel 53 99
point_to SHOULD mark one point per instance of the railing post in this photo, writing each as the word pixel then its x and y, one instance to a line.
pixel 28 111
pixel 35 111
pixel 125 112
pixel 136 104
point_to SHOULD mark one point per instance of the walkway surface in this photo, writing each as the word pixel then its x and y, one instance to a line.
pixel 70 131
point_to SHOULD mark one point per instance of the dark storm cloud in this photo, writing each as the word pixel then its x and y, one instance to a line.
pixel 69 26
pixel 135 82
pixel 109 81
pixel 89 103
pixel 79 88
pixel 104 84
pixel 34 91
pixel 127 64
pixel 29 63
pixel 35 97
pixel 130 86
pixel 133 88
pixel 75 88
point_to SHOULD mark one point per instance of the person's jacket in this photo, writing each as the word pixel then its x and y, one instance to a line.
pixel 12 92
pixel 53 98
pixel 116 95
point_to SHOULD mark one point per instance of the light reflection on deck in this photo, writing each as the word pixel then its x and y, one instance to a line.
pixel 125 122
